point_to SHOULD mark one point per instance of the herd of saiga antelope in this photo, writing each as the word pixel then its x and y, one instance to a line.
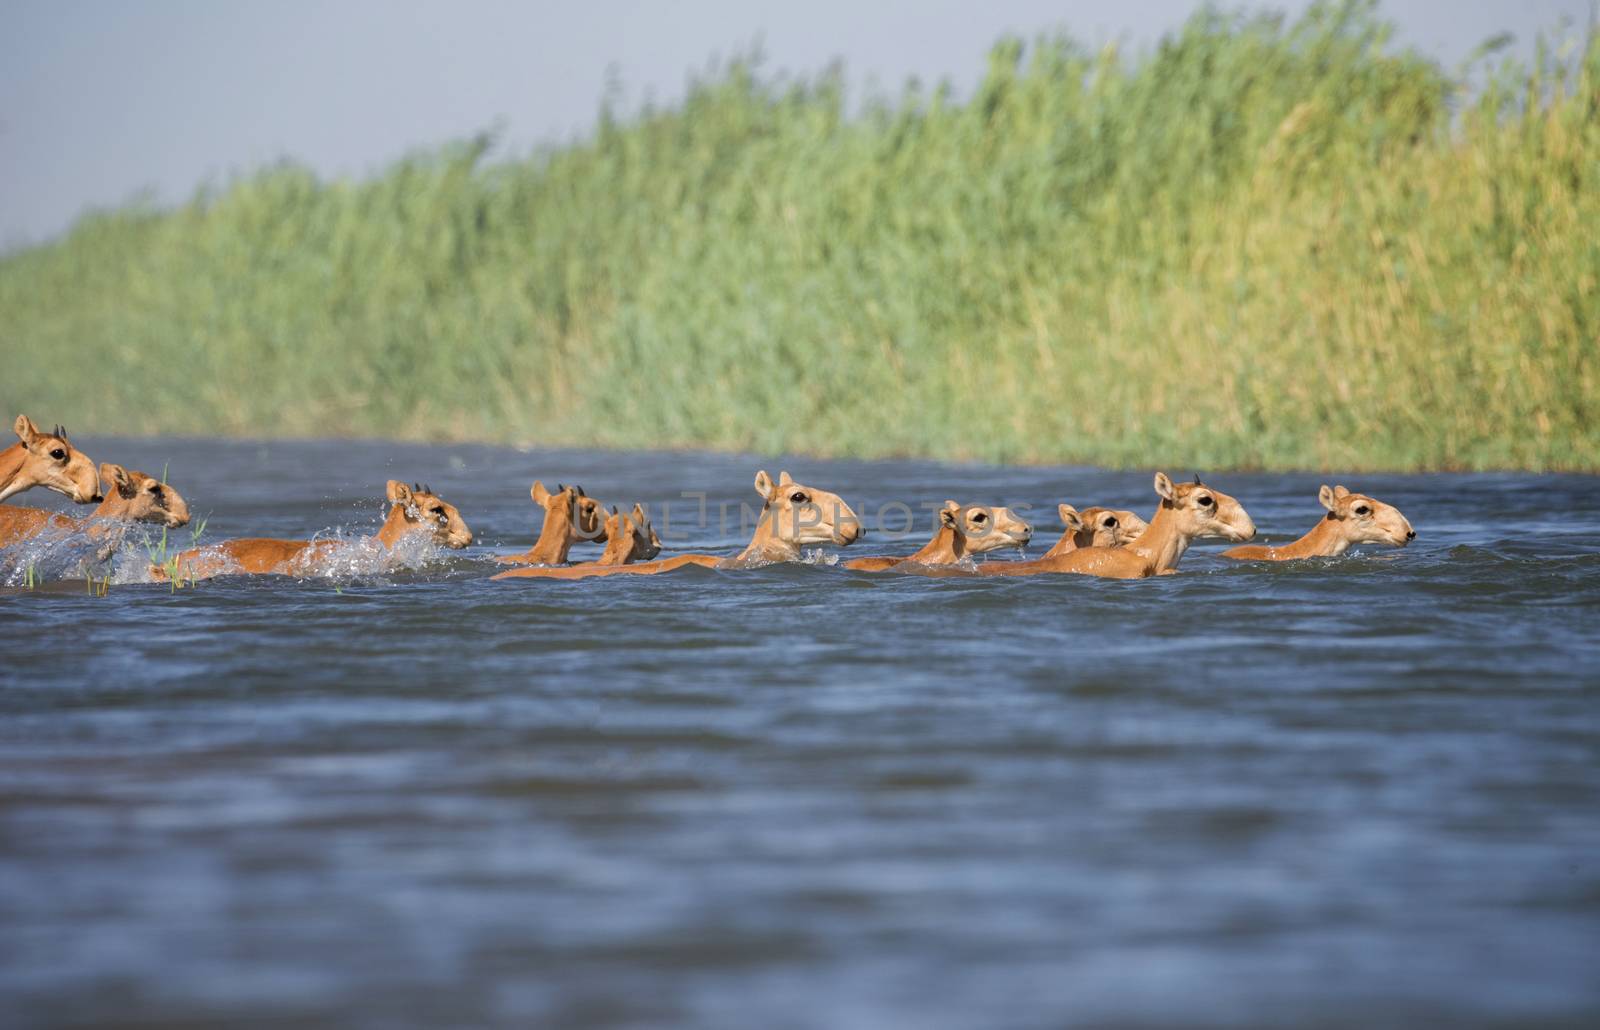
pixel 1098 541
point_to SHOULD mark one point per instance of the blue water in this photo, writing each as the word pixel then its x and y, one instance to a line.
pixel 1362 791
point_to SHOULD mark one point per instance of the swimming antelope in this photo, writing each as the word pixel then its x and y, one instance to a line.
pixel 1352 519
pixel 132 497
pixel 570 517
pixel 413 509
pixel 629 539
pixel 793 516
pixel 962 531
pixel 1187 512
pixel 1096 527
pixel 47 460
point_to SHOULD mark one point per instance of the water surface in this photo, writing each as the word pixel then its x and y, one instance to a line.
pixel 1362 791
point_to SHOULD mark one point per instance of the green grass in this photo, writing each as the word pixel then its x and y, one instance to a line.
pixel 1262 243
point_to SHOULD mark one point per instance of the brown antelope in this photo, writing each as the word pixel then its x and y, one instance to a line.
pixel 629 539
pixel 646 545
pixel 1351 519
pixel 1096 527
pixel 47 460
pixel 1188 511
pixel 961 532
pixel 793 516
pixel 414 509
pixel 570 517
pixel 132 497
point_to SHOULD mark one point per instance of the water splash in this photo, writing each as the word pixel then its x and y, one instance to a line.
pixel 338 557
pixel 58 553
pixel 123 554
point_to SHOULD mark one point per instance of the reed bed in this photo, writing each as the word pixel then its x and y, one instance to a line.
pixel 1262 243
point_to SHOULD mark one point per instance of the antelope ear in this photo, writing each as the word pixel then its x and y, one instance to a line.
pixel 783 479
pixel 638 515
pixel 613 509
pixel 1340 492
pixel 1327 496
pixel 25 430
pixel 539 494
pixel 398 492
pixel 117 476
pixel 765 486
pixel 578 491
pixel 1070 517
pixel 947 514
pixel 1164 487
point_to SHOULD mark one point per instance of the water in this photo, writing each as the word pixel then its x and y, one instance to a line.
pixel 1355 792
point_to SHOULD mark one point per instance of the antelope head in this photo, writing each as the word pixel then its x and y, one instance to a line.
pixel 1361 519
pixel 1200 511
pixel 422 509
pixel 50 461
pixel 574 513
pixel 984 529
pixel 801 515
pixel 137 497
pixel 1108 527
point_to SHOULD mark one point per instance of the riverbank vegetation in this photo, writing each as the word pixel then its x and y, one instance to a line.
pixel 1263 242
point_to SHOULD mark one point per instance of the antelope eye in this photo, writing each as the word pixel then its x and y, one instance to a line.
pixel 1204 501
pixel 1363 510
pixel 155 490
pixel 59 454
pixel 979 517
pixel 1110 523
pixel 797 497
pixel 438 510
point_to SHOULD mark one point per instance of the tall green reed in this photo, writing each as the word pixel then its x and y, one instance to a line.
pixel 1263 243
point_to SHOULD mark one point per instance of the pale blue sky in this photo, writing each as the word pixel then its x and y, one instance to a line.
pixel 100 100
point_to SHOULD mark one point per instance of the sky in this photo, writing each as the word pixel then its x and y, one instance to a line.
pixel 104 101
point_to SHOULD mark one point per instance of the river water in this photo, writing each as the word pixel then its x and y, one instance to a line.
pixel 1362 791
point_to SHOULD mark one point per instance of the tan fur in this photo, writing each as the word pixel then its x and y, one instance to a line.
pixel 646 545
pixel 793 517
pixel 962 532
pixel 1352 519
pixel 46 460
pixel 1096 527
pixel 412 511
pixel 629 539
pixel 1180 519
pixel 131 497
pixel 570 517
